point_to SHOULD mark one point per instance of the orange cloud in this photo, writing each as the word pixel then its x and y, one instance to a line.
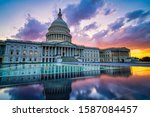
pixel 140 52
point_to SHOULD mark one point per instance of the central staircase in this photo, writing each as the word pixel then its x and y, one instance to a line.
pixel 69 59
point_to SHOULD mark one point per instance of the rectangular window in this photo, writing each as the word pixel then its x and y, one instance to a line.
pixel 35 53
pixel 16 59
pixel 10 59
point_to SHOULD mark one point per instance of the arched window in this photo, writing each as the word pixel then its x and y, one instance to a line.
pixel 11 52
pixel 24 52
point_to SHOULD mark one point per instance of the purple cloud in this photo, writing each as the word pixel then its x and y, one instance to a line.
pixel 90 26
pixel 100 34
pixel 84 10
pixel 29 92
pixel 137 14
pixel 117 24
pixel 32 30
pixel 131 36
pixel 135 36
pixel 140 32
pixel 108 11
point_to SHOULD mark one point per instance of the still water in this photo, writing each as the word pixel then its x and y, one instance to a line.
pixel 74 82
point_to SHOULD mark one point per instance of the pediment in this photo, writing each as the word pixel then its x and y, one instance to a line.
pixel 66 44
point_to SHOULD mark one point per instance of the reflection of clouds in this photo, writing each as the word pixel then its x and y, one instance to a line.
pixel 107 87
pixel 26 92
pixel 4 95
pixel 95 95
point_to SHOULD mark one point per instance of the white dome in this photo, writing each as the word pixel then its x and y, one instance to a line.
pixel 58 31
pixel 59 22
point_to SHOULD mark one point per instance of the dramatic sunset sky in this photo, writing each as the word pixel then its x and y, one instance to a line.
pixel 95 23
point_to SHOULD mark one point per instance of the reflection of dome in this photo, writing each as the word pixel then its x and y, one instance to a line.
pixel 56 90
pixel 58 31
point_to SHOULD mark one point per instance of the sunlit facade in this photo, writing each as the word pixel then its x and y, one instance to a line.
pixel 115 55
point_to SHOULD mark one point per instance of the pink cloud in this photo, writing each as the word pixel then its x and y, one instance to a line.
pixel 32 30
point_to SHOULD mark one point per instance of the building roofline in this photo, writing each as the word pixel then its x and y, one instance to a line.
pixel 55 43
pixel 116 49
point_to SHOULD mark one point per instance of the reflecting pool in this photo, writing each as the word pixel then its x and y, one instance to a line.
pixel 74 81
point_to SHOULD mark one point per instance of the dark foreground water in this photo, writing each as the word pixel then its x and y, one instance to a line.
pixel 77 82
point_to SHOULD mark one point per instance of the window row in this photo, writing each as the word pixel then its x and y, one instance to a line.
pixel 25 46
pixel 24 52
pixel 23 59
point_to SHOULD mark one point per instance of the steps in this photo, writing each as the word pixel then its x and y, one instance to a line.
pixel 69 59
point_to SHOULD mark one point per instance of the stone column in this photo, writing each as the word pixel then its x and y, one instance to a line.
pixel 48 51
pixel 45 50
pixel 67 52
pixel 64 51
pixel 79 52
pixel 70 51
pixel 45 53
pixel 55 37
pixel 61 51
pixel 52 51
pixel 74 52
pixel 55 50
pixel 63 37
pixel 49 37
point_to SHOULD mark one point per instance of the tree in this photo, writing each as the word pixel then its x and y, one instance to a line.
pixel 146 59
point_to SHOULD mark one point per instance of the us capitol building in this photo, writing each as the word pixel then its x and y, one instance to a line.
pixel 57 48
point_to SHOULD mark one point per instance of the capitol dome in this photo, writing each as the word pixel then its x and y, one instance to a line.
pixel 58 31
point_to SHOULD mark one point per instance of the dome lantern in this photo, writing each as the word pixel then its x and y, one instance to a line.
pixel 59 14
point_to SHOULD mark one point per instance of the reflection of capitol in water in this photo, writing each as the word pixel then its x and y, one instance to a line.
pixel 29 73
pixel 56 79
pixel 117 71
